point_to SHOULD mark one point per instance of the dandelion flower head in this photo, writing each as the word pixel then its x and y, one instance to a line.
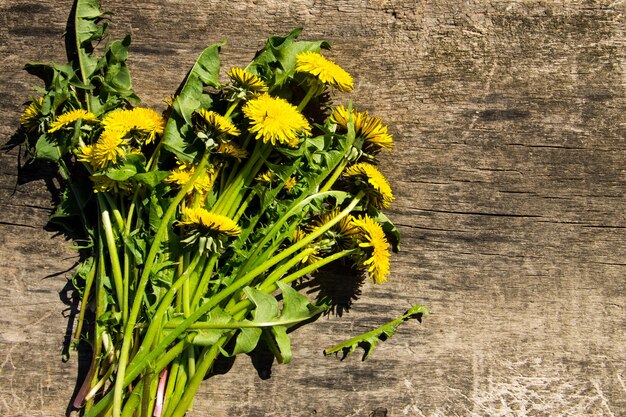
pixel 31 114
pixel 366 177
pixel 218 123
pixel 70 117
pixel 343 232
pixel 145 121
pixel 232 150
pixel 182 175
pixel 103 184
pixel 148 122
pixel 290 184
pixel 371 129
pixel 206 221
pixel 324 70
pixel 275 120
pixel 247 81
pixel 373 241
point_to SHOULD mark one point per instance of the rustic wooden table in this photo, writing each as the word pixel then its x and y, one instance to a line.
pixel 509 172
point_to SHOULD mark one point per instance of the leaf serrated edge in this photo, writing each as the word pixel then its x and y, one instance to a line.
pixel 368 340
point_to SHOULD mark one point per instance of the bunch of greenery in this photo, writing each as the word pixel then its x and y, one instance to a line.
pixel 198 221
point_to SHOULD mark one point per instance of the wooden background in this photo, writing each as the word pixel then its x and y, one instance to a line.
pixel 509 172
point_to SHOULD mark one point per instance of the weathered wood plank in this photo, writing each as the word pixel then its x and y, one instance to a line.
pixel 509 176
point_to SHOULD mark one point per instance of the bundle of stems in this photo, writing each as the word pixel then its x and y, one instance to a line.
pixel 198 221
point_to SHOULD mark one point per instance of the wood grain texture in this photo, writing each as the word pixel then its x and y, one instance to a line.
pixel 509 172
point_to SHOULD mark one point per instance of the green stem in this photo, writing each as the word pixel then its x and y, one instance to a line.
pixel 203 367
pixel 237 285
pixel 100 299
pixel 275 275
pixel 133 203
pixel 65 173
pixel 336 174
pixel 268 288
pixel 232 108
pixel 234 186
pixel 297 207
pixel 140 290
pixel 243 206
pixel 162 308
pixel 89 279
pixel 171 382
pixel 105 403
pixel 191 360
pixel 314 90
pixel 243 189
pixel 133 401
pixel 203 285
pixel 180 387
pixel 115 262
pixel 94 390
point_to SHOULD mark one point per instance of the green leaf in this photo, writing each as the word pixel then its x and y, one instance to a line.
pixel 46 149
pixel 208 337
pixel 266 306
pixel 160 266
pixel 276 62
pixel 205 72
pixel 283 343
pixel 152 178
pixel 317 142
pixel 86 18
pixel 156 210
pixel 295 305
pixel 368 340
pixel 121 173
pixel 133 164
pixel 136 246
pixel 247 339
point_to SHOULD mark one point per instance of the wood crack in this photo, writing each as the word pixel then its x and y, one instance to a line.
pixel 480 213
pixel 18 225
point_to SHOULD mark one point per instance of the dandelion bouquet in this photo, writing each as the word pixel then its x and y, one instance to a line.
pixel 197 222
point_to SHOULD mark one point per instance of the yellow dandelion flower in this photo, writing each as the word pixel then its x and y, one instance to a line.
pixel 324 70
pixel 266 177
pixel 70 117
pixel 147 121
pixel 244 80
pixel 232 150
pixel 373 241
pixel 298 235
pixel 367 177
pixel 290 184
pixel 340 116
pixel 218 123
pixel 274 119
pixel 85 154
pixel 108 150
pixel 182 175
pixel 30 118
pixel 369 128
pixel 374 132
pixel 343 232
pixel 293 143
pixel 314 256
pixel 208 222
pixel 119 120
pixel 103 184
